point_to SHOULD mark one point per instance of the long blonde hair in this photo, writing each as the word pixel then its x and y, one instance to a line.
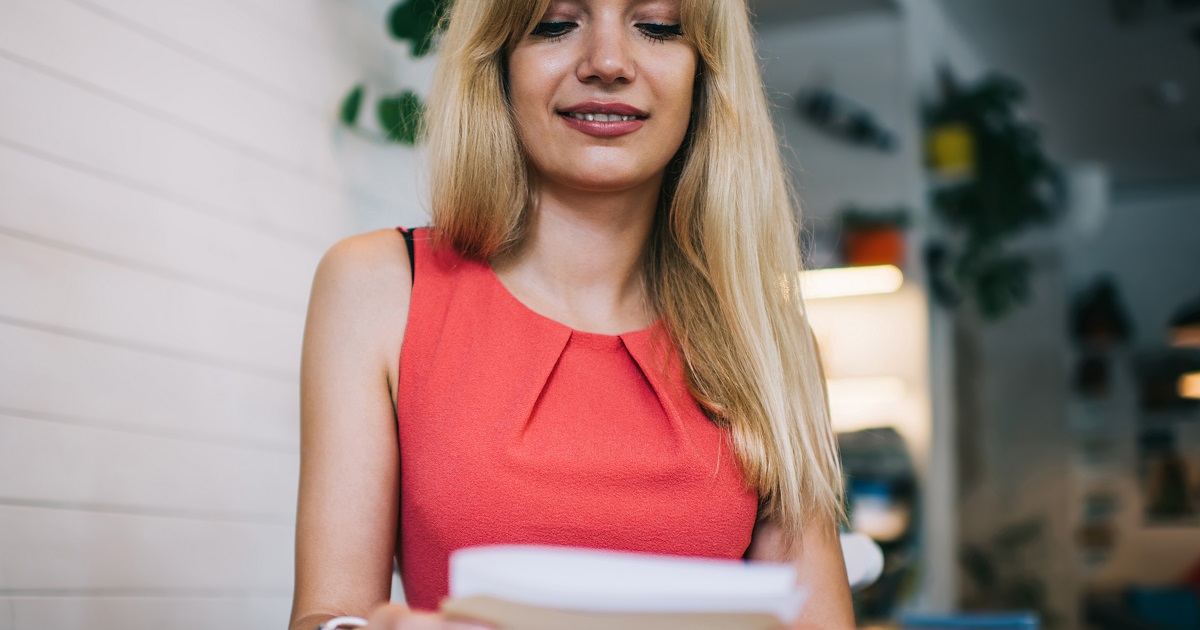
pixel 724 260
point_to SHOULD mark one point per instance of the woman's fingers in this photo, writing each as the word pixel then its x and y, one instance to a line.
pixel 394 617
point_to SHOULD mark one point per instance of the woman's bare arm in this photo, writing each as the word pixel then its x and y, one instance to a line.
pixel 819 567
pixel 349 455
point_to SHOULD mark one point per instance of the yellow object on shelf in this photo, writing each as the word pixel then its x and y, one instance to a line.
pixel 951 150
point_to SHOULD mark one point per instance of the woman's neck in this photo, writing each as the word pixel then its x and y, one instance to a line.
pixel 583 260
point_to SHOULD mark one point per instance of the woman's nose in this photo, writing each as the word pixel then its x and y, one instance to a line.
pixel 607 56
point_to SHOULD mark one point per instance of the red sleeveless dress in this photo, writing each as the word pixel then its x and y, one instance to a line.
pixel 516 429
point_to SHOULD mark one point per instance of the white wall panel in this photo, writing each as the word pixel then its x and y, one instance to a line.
pixel 311 69
pixel 49 550
pixel 322 24
pixel 108 58
pixel 61 464
pixel 49 203
pixel 170 174
pixel 68 290
pixel 79 127
pixel 115 52
pixel 105 57
pixel 89 383
pixel 175 613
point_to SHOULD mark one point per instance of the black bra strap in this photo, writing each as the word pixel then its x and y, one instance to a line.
pixel 412 254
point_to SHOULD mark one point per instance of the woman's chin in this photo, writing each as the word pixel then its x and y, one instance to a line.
pixel 607 179
pixel 608 184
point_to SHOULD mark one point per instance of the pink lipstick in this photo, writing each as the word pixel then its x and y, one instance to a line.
pixel 600 119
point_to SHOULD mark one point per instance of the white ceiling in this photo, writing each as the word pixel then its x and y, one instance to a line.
pixel 1090 80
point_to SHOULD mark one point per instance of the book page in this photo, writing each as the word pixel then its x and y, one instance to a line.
pixel 504 615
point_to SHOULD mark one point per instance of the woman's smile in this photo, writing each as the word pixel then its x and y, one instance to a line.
pixel 604 119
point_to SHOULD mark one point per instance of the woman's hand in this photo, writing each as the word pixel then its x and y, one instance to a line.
pixel 395 617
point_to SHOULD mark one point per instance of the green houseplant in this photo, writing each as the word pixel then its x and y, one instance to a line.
pixel 873 236
pixel 399 114
pixel 992 182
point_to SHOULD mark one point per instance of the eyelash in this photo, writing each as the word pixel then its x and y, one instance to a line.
pixel 660 32
pixel 554 31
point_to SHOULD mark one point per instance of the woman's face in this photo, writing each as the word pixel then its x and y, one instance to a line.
pixel 624 65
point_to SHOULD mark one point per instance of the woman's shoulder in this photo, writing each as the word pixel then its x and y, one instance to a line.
pixel 362 288
pixel 375 252
pixel 371 268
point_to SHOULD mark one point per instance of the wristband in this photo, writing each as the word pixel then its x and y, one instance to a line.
pixel 338 623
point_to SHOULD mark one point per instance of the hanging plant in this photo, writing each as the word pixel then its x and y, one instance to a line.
pixel 993 182
pixel 399 115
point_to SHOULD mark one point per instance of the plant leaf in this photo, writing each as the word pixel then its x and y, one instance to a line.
pixel 351 105
pixel 416 21
pixel 400 117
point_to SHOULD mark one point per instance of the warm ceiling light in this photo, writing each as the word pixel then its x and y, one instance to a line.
pixel 1189 385
pixel 847 281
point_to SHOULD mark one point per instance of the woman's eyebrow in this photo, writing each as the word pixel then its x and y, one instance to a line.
pixel 667 4
pixel 632 4
pixel 554 4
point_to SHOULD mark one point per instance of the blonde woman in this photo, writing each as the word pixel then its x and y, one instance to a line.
pixel 599 341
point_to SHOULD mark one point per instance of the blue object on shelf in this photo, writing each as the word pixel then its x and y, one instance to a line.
pixel 1172 608
pixel 971 621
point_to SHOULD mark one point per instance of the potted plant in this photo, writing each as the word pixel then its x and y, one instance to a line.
pixel 873 237
pixel 399 115
pixel 992 182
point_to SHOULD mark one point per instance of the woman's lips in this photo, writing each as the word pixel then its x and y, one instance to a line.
pixel 603 129
pixel 627 118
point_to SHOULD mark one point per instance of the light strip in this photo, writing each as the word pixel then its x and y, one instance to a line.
pixel 820 284
pixel 1189 385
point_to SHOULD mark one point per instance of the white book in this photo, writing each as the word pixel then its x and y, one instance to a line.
pixel 524 587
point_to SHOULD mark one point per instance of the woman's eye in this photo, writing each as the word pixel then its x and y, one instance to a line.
pixel 660 32
pixel 553 30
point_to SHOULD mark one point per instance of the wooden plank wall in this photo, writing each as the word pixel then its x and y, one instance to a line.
pixel 170 174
